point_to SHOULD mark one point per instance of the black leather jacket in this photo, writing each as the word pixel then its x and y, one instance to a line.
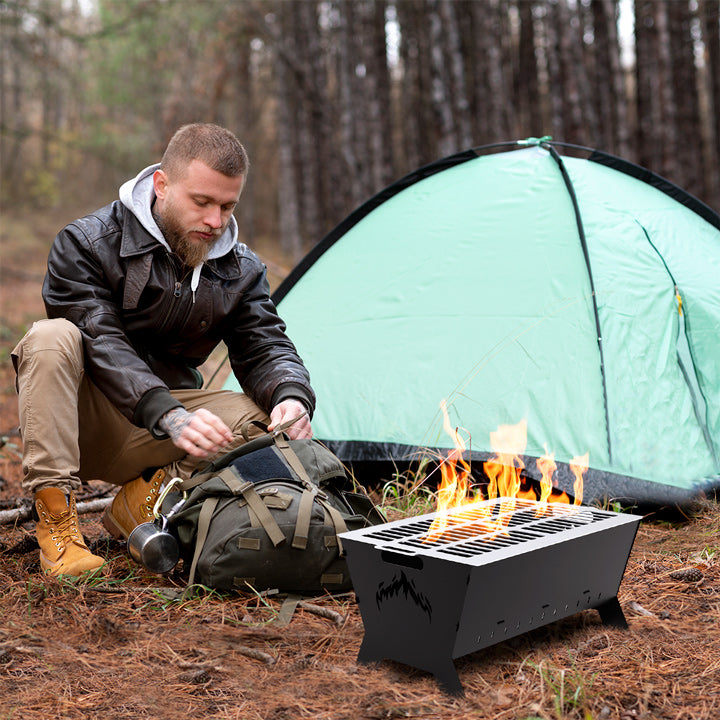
pixel 144 332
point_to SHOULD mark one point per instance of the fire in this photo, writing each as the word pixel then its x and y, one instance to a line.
pixel 547 466
pixel 508 442
pixel 579 466
pixel 504 473
pixel 454 489
pixel 455 471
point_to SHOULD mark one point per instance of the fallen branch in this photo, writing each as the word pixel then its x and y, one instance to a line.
pixel 255 654
pixel 336 617
pixel 8 517
pixel 638 608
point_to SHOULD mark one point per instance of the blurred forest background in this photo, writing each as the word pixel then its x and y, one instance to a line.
pixel 335 99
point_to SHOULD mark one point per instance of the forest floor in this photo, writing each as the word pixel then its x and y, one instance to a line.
pixel 130 648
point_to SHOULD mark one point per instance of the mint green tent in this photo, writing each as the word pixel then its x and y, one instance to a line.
pixel 578 292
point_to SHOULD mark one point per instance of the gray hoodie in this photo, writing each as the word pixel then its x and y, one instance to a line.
pixel 138 195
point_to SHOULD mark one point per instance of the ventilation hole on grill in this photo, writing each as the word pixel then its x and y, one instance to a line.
pixel 500 622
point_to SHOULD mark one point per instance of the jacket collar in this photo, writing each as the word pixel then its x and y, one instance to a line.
pixel 136 240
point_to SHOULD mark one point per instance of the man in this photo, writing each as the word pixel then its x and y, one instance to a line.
pixel 138 294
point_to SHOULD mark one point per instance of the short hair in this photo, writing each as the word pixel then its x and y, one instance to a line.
pixel 213 145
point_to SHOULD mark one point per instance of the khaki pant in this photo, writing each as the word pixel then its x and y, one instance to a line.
pixel 72 433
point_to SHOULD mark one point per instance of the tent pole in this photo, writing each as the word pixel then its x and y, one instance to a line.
pixel 581 232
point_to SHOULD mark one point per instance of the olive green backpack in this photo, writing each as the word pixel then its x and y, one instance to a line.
pixel 268 515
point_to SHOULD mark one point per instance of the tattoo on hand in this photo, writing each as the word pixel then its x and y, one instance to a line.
pixel 174 422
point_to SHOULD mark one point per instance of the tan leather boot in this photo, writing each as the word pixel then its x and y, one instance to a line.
pixel 133 505
pixel 62 548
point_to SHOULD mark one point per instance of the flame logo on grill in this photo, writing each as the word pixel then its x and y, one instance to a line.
pixel 402 586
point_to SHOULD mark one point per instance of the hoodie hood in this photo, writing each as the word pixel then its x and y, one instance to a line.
pixel 138 195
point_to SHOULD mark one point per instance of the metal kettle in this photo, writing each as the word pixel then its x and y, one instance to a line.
pixel 151 544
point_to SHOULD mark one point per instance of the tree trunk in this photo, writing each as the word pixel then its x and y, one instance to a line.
pixel 381 135
pixel 309 129
pixel 415 52
pixel 688 130
pixel 246 123
pixel 351 189
pixel 608 79
pixel 570 65
pixel 710 28
pixel 18 129
pixel 669 165
pixel 492 81
pixel 455 72
pixel 528 119
pixel 288 201
pixel 555 94
pixel 649 79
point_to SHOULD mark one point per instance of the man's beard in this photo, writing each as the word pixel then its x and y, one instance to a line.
pixel 191 252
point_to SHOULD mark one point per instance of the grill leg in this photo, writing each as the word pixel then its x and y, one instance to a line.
pixel 368 654
pixel 448 679
pixel 611 614
pixel 443 670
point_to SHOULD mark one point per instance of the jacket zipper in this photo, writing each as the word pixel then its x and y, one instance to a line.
pixel 177 293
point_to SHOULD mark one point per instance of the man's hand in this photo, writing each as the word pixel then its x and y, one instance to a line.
pixel 288 410
pixel 200 433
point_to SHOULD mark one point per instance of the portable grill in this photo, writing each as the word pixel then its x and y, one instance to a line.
pixel 500 567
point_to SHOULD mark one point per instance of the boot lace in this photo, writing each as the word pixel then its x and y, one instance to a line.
pixel 64 529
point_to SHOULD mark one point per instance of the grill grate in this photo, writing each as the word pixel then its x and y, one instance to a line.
pixel 486 526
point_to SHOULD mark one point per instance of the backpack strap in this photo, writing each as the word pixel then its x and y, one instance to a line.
pixel 238 486
pixel 337 521
pixel 311 491
pixel 282 444
pixel 302 524
pixel 303 521
pixel 287 609
pixel 206 512
pixel 245 427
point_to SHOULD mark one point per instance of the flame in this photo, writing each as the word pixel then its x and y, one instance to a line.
pixel 455 473
pixel 508 442
pixel 579 466
pixel 504 473
pixel 547 466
